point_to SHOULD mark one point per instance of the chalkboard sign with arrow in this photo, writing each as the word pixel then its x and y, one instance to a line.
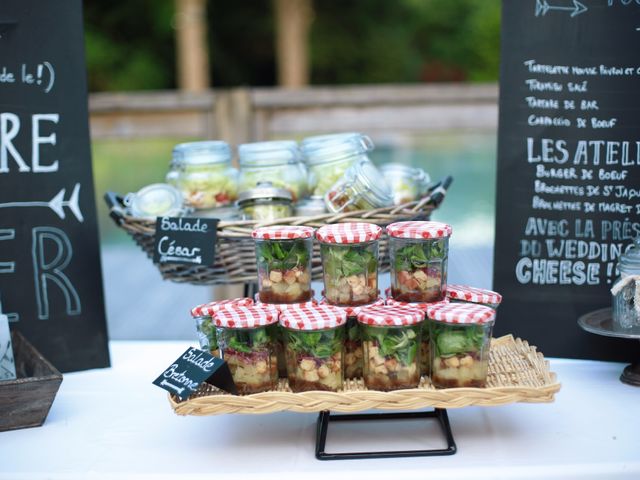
pixel 568 190
pixel 50 272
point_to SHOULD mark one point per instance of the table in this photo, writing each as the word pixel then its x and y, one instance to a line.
pixel 113 423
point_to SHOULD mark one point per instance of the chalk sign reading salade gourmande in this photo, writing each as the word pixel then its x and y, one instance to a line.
pixel 568 190
pixel 50 272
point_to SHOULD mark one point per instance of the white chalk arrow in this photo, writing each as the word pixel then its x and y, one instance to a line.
pixel 56 204
pixel 542 7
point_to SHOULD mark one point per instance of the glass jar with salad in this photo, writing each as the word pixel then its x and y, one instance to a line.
pixel 202 171
pixel 265 202
pixel 314 344
pixel 247 339
pixel 479 296
pixel 362 187
pixel 350 262
pixel 329 156
pixel 407 183
pixel 353 353
pixel 391 339
pixel 278 162
pixel 283 255
pixel 202 314
pixel 425 338
pixel 418 252
pixel 460 342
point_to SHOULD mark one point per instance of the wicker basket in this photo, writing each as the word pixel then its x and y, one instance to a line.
pixel 235 251
pixel 517 373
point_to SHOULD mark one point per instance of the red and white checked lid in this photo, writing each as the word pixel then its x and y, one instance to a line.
pixel 281 307
pixel 208 309
pixel 319 317
pixel 473 294
pixel 245 317
pixel 461 313
pixel 353 311
pixel 282 232
pixel 387 316
pixel 419 230
pixel 349 233
pixel 419 305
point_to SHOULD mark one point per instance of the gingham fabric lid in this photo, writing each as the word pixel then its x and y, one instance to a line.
pixel 419 305
pixel 387 316
pixel 461 313
pixel 473 294
pixel 208 309
pixel 282 232
pixel 319 317
pixel 353 311
pixel 281 307
pixel 245 317
pixel 419 230
pixel 348 233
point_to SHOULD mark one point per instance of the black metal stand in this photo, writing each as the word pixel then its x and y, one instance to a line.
pixel 439 414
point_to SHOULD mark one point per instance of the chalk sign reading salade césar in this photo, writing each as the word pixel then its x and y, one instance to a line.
pixel 568 200
pixel 50 272
pixel 185 240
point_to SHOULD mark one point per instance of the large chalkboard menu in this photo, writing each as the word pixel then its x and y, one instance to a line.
pixel 50 272
pixel 568 200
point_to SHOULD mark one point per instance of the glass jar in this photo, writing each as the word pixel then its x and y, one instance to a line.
pixel 407 183
pixel 460 342
pixel 314 344
pixel 283 255
pixel 391 339
pixel 353 353
pixel 329 156
pixel 362 187
pixel 247 340
pixel 278 162
pixel 478 296
pixel 155 200
pixel 203 173
pixel 310 207
pixel 265 202
pixel 202 314
pixel 625 291
pixel 418 252
pixel 425 337
pixel 350 262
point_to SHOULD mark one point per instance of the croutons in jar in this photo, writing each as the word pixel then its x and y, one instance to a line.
pixel 353 354
pixel 425 339
pixel 479 296
pixel 283 255
pixel 202 314
pixel 460 342
pixel 391 339
pixel 247 339
pixel 350 262
pixel 418 252
pixel 314 347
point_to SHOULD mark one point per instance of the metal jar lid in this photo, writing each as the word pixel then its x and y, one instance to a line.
pixel 629 262
pixel 264 191
pixel 313 205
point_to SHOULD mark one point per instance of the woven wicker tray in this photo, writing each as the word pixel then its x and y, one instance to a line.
pixel 517 373
pixel 235 249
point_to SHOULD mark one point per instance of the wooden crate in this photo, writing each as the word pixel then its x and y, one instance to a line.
pixel 25 402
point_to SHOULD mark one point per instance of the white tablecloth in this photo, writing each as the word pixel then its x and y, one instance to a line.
pixel 113 423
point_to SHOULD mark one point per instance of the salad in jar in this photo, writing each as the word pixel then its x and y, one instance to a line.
pixel 265 202
pixel 419 254
pixel 247 339
pixel 408 183
pixel 479 296
pixel 203 316
pixel 283 255
pixel 350 262
pixel 391 339
pixel 314 343
pixel 362 187
pixel 460 342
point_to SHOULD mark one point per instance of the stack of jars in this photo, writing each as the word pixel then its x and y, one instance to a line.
pixel 425 328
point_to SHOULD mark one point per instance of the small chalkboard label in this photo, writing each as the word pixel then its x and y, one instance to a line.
pixel 185 240
pixel 193 368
